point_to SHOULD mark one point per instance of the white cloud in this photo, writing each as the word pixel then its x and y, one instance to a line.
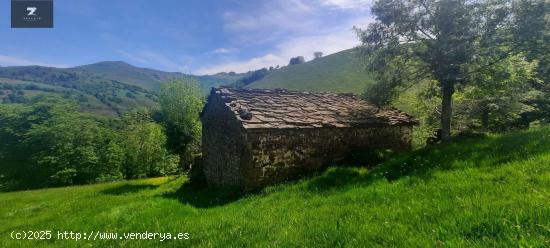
pixel 269 14
pixel 289 29
pixel 155 60
pixel 17 61
pixel 347 4
pixel 132 57
pixel 328 42
pixel 223 50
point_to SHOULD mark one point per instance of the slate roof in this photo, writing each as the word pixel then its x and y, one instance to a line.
pixel 277 108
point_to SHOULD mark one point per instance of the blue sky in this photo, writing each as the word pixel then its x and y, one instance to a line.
pixel 199 37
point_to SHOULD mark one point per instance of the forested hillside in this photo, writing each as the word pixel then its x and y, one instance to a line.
pixel 46 140
pixel 109 88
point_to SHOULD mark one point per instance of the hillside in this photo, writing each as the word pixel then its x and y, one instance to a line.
pixel 149 78
pixel 476 192
pixel 128 74
pixel 110 87
pixel 339 72
pixel 115 87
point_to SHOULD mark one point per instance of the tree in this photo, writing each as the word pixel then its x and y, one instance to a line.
pixel 541 100
pixel 448 40
pixel 143 144
pixel 47 141
pixel 181 103
pixel 296 60
pixel 253 77
pixel 317 55
pixel 500 95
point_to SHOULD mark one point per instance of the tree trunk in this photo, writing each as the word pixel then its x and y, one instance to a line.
pixel 446 111
pixel 484 119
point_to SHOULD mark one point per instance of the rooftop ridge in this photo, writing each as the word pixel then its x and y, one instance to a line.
pixel 282 91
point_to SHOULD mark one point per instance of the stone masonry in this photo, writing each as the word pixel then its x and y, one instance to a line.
pixel 253 138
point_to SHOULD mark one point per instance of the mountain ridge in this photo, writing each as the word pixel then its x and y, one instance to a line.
pixel 115 87
pixel 105 87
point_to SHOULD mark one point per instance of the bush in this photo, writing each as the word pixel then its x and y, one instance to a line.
pixel 46 141
pixel 181 103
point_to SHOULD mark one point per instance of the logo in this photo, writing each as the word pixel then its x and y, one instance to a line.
pixel 32 13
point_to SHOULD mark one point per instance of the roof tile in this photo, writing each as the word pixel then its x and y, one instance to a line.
pixel 277 108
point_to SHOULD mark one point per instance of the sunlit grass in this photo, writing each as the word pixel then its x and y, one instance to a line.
pixel 477 192
pixel 338 72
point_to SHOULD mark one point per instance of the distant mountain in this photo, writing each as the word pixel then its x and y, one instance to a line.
pixel 110 87
pixel 114 87
pixel 338 72
pixel 150 78
pixel 126 73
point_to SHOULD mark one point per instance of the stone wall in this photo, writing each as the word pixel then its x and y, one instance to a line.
pixel 273 155
pixel 250 157
pixel 222 144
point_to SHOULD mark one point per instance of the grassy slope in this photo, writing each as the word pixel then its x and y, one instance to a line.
pixel 476 192
pixel 340 72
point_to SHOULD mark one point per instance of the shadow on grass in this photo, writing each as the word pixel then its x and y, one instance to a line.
pixel 128 189
pixel 337 178
pixel 201 196
pixel 471 151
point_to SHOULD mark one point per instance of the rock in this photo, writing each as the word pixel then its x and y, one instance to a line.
pixel 245 114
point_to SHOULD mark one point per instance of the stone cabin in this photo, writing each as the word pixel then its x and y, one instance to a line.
pixel 252 138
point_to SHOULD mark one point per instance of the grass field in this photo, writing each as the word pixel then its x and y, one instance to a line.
pixel 491 191
pixel 339 72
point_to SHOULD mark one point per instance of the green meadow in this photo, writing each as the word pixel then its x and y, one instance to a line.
pixel 483 191
pixel 339 72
